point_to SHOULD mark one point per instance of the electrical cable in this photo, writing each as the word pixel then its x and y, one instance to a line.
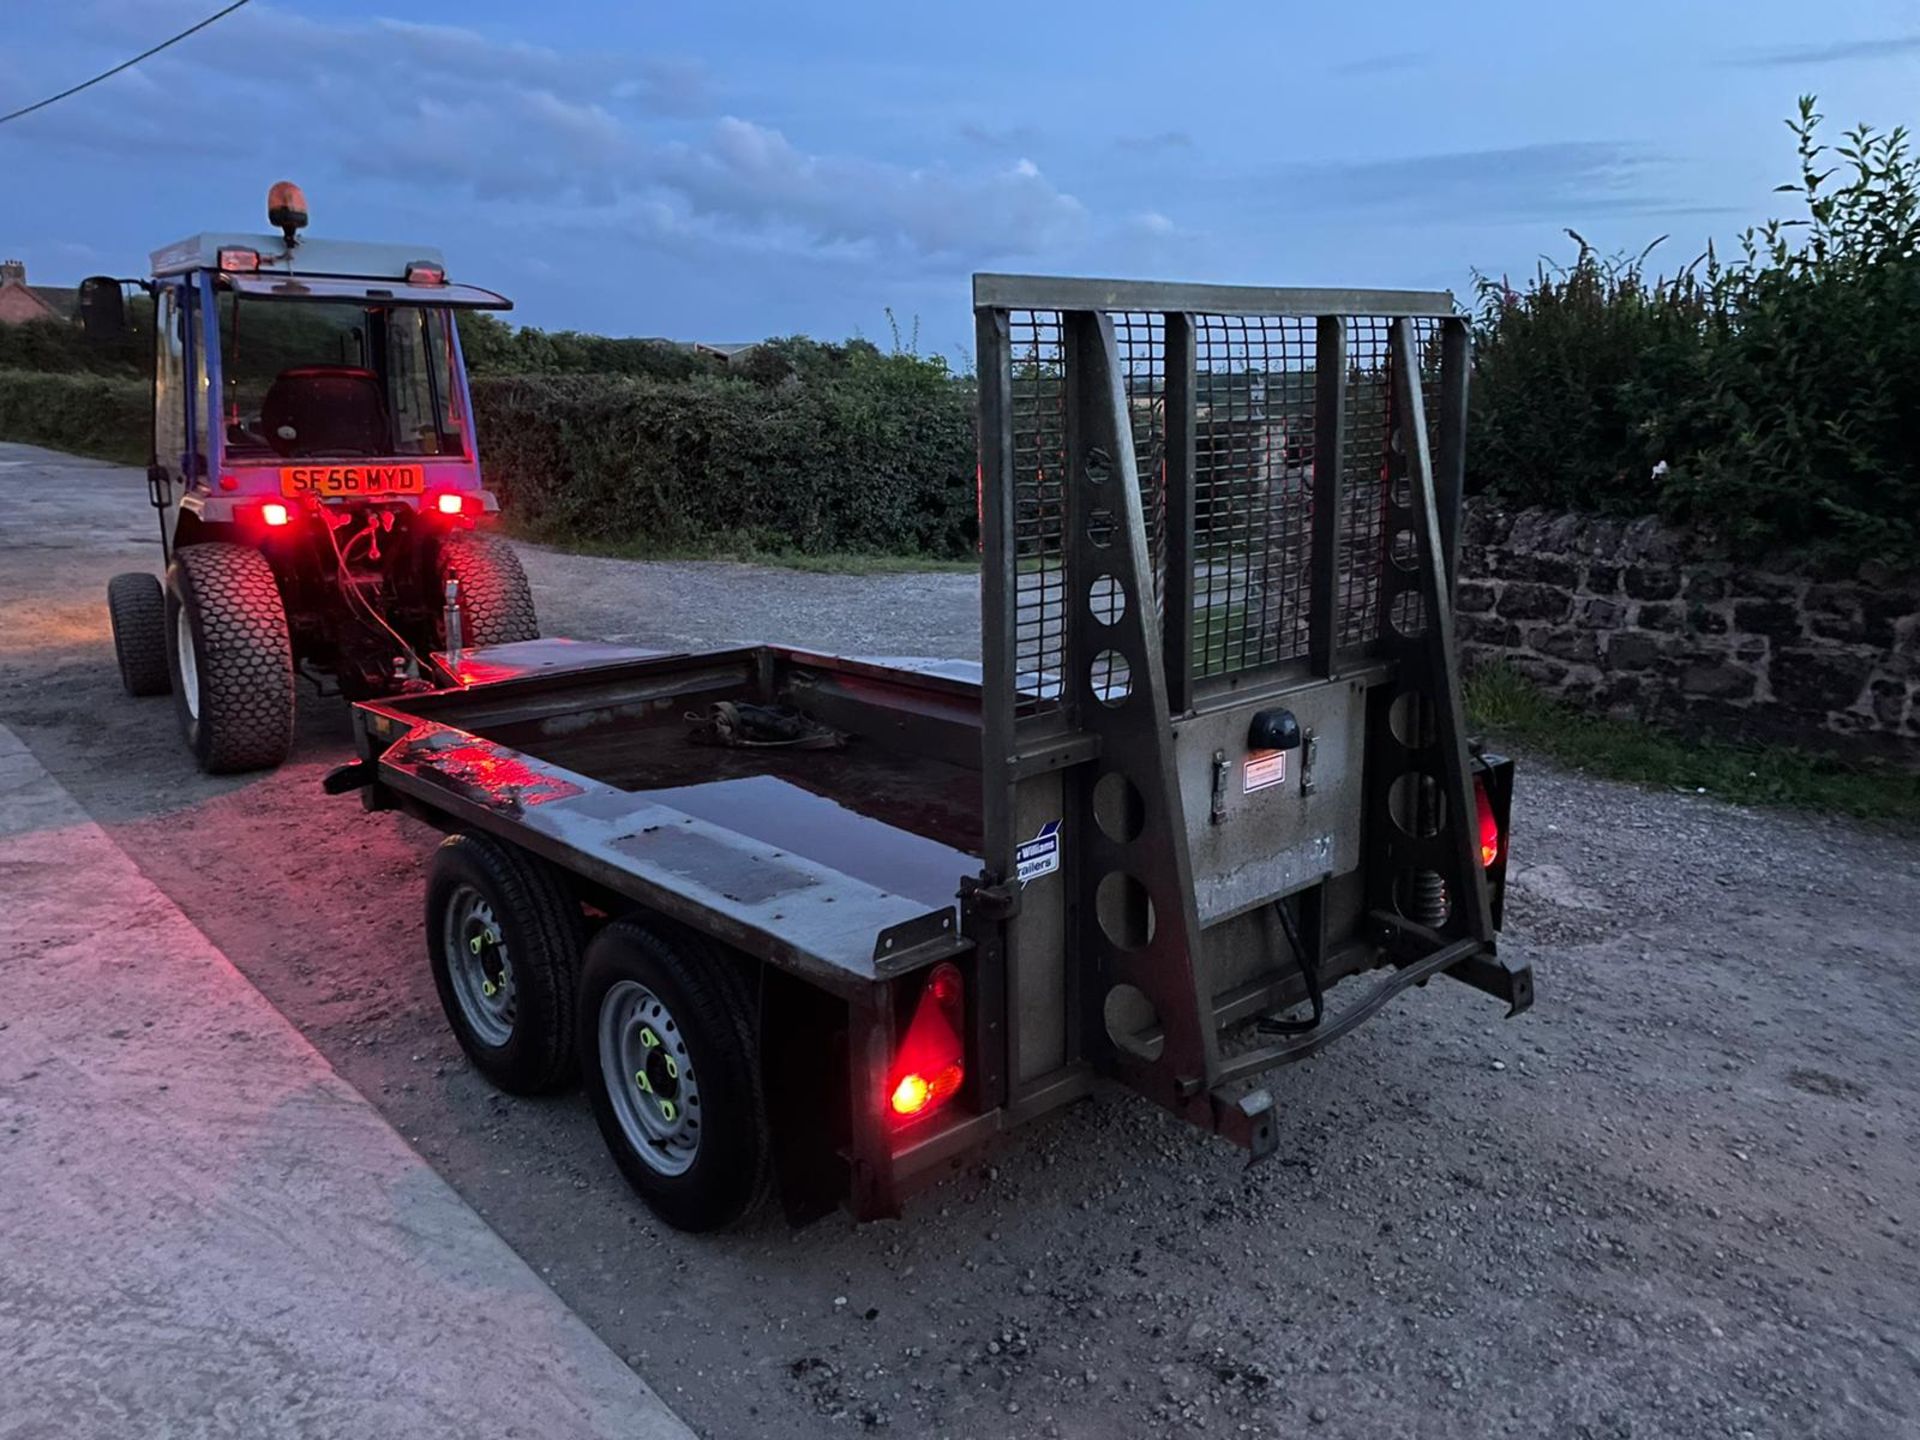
pixel 123 65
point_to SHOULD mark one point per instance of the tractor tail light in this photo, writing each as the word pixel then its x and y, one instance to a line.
pixel 275 514
pixel 447 503
pixel 1491 840
pixel 931 1063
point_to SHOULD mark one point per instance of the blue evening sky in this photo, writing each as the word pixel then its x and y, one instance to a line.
pixel 725 171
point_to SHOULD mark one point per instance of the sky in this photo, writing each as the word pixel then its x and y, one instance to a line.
pixel 727 171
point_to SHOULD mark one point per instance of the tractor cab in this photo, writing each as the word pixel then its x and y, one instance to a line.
pixel 286 369
pixel 311 409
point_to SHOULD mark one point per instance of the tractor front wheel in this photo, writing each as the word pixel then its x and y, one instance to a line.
pixel 230 657
pixel 137 608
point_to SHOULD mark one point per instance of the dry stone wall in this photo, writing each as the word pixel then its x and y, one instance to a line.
pixel 1643 620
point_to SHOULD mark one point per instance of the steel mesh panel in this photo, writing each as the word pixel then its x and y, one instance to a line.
pixel 1038 411
pixel 1375 504
pixel 1252 490
pixel 1142 342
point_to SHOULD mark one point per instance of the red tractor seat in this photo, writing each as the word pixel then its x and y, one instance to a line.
pixel 314 410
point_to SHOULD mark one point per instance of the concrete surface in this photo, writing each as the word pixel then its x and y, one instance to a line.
pixel 1674 1200
pixel 203 1229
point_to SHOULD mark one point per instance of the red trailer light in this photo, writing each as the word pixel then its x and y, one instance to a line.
pixel 930 1066
pixel 1490 837
pixel 274 513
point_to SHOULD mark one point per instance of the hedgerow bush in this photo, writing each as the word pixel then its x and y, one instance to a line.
pixel 100 415
pixel 880 459
pixel 1768 398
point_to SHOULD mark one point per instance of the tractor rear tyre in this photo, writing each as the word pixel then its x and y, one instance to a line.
pixel 230 657
pixel 496 604
pixel 669 1053
pixel 503 941
pixel 137 607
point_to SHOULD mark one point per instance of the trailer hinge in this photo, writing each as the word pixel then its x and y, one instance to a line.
pixel 988 898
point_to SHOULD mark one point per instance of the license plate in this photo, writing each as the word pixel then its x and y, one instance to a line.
pixel 356 480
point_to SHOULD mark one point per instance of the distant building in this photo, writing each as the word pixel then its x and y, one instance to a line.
pixel 20 302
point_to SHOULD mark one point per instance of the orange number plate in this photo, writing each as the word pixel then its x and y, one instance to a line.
pixel 355 480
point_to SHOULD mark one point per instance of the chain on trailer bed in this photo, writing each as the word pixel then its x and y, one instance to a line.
pixel 1212 762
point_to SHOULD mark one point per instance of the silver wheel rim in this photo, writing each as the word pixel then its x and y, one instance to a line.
pixel 189 663
pixel 480 967
pixel 649 1078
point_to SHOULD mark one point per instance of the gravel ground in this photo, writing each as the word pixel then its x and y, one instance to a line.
pixel 1676 1199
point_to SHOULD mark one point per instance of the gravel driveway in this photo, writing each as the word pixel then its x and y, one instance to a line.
pixel 1676 1199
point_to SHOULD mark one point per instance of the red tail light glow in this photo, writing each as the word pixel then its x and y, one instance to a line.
pixel 274 513
pixel 448 503
pixel 930 1066
pixel 1490 837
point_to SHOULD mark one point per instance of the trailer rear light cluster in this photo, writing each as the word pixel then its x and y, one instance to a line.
pixel 239 262
pixel 1490 837
pixel 930 1066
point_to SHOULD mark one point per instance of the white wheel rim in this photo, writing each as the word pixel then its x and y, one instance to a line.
pixel 189 663
pixel 649 1078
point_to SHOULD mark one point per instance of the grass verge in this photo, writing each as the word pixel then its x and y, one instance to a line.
pixel 749 552
pixel 1505 707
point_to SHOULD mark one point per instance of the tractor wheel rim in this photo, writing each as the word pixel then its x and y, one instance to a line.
pixel 189 663
pixel 480 966
pixel 649 1078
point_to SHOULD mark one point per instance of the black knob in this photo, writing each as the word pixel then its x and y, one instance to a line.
pixel 1273 730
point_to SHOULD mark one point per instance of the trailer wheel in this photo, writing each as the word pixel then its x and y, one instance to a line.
pixel 496 603
pixel 503 940
pixel 230 657
pixel 137 608
pixel 668 1053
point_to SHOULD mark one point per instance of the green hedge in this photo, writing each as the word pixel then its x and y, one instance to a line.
pixel 100 415
pixel 1769 399
pixel 881 463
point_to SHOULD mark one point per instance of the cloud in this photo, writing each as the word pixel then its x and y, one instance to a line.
pixel 1150 144
pixel 436 110
pixel 1886 47
pixel 749 174
pixel 1388 63
pixel 1559 180
pixel 1013 137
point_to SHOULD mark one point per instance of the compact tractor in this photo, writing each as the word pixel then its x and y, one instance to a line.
pixel 317 480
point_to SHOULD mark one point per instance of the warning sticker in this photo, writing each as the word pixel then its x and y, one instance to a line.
pixel 1264 768
pixel 1040 855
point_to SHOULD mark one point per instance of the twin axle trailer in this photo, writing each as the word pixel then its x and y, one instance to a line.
pixel 826 924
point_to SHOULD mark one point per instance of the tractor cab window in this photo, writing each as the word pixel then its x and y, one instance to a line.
pixel 332 380
pixel 169 382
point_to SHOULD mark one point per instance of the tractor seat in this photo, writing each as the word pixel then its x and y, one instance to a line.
pixel 326 410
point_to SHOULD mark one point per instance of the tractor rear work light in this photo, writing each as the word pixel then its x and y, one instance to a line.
pixel 275 514
pixel 239 262
pixel 931 1064
pixel 421 273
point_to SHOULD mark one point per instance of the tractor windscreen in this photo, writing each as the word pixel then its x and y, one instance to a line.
pixel 337 380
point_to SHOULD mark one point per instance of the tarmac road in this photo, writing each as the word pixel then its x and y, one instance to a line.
pixel 1676 1199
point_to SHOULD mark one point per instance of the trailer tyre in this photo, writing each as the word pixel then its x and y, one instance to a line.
pixel 137 608
pixel 668 1051
pixel 496 603
pixel 503 940
pixel 230 657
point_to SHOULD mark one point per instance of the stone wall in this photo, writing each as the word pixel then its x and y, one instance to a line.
pixel 1647 621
